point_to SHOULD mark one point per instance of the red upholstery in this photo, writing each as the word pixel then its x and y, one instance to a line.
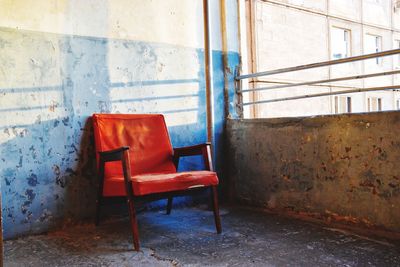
pixel 150 152
pixel 160 182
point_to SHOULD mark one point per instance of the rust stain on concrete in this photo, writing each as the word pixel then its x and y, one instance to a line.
pixel 345 164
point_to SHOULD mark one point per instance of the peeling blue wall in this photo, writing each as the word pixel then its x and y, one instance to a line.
pixel 46 150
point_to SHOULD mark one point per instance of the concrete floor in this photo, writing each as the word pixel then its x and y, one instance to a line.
pixel 187 238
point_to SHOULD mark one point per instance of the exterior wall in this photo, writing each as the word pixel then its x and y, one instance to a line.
pixel 273 43
pixel 346 9
pixel 309 4
pixel 289 33
pixel 377 13
pixel 62 61
pixel 342 167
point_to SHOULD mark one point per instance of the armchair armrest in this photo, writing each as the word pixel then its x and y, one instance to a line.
pixel 190 150
pixel 200 149
pixel 113 155
pixel 119 154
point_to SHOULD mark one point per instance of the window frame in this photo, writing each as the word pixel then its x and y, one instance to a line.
pixel 338 104
pixel 396 45
pixel 379 104
pixel 348 44
pixel 378 46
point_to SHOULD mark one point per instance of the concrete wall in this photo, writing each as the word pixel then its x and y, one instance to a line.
pixel 62 61
pixel 338 167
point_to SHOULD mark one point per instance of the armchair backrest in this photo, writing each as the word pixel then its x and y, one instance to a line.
pixel 146 135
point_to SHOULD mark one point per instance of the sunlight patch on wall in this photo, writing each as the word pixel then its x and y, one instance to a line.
pixel 128 60
pixel 30 82
pixel 179 102
pixel 181 118
pixel 20 110
pixel 149 78
pixel 28 61
pixel 182 88
pixel 167 21
pixel 34 15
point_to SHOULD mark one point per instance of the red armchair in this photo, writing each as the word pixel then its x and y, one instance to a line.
pixel 136 161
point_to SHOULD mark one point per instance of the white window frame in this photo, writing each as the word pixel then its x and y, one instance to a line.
pixel 396 45
pixel 347 35
pixel 343 104
pixel 379 104
pixel 378 47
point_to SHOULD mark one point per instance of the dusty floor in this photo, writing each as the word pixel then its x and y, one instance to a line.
pixel 187 238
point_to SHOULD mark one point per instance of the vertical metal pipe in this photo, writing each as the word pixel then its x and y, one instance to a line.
pixel 329 45
pixel 252 50
pixel 362 52
pixel 238 84
pixel 224 38
pixel 208 72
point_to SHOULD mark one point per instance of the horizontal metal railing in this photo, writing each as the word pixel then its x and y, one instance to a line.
pixel 320 64
pixel 239 78
pixel 359 90
pixel 324 81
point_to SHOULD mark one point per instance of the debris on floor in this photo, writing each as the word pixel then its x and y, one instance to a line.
pixel 187 238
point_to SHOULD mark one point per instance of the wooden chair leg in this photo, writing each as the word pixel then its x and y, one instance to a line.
pixel 169 205
pixel 99 199
pixel 98 206
pixel 217 219
pixel 134 224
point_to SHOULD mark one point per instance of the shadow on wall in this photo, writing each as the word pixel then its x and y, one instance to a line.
pixel 53 84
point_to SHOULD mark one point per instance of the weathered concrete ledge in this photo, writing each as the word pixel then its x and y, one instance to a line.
pixel 343 167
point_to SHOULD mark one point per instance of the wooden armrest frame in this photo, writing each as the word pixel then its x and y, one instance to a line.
pixel 113 155
pixel 201 149
pixel 119 154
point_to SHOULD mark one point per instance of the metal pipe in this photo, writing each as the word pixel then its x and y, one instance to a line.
pixel 321 64
pixel 208 72
pixel 392 87
pixel 224 39
pixel 323 81
pixel 320 85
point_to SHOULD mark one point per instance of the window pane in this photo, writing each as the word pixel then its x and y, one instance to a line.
pixel 340 43
pixel 374 104
pixel 342 104
pixel 372 45
pixel 397 46
pixel 349 104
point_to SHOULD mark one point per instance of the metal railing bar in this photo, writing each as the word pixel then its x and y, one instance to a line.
pixel 322 81
pixel 319 85
pixel 359 90
pixel 320 64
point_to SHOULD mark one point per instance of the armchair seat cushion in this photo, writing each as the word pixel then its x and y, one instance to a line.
pixel 150 183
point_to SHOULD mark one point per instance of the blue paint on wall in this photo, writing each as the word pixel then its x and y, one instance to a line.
pixel 48 171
